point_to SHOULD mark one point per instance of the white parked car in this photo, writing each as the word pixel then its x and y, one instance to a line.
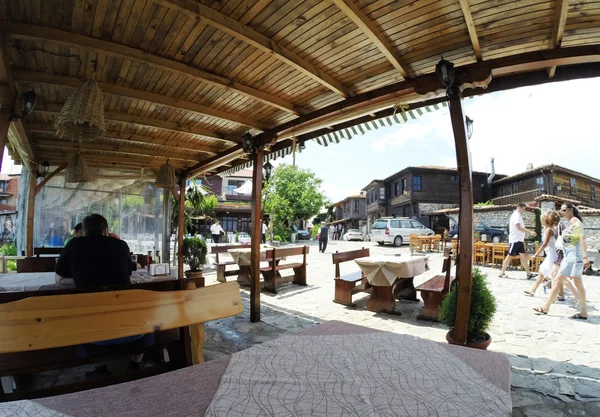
pixel 397 230
pixel 353 234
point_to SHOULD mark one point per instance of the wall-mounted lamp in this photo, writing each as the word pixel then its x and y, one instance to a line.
pixel 42 169
pixel 445 72
pixel 302 146
pixel 267 170
pixel 248 144
pixel 26 106
pixel 469 125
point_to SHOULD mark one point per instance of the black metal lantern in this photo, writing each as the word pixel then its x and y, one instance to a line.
pixel 267 170
pixel 28 100
pixel 445 72
pixel 43 169
pixel 248 144
pixel 302 146
pixel 469 125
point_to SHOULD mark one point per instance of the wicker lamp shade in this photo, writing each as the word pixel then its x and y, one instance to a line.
pixel 77 170
pixel 166 177
pixel 82 116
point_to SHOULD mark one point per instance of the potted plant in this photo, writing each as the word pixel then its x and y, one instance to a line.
pixel 194 254
pixel 483 308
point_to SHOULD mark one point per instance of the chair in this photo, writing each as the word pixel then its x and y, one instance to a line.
pixel 436 243
pixel 498 253
pixel 479 252
pixel 455 247
pixel 415 243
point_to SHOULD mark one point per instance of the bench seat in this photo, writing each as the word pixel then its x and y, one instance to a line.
pixel 271 275
pixel 281 267
pixel 349 284
pixel 434 290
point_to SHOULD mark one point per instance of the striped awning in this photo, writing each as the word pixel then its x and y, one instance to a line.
pixel 399 117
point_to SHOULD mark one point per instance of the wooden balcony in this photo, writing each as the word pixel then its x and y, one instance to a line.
pixel 525 197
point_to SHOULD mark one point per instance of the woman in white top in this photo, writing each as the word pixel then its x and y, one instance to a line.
pixel 550 221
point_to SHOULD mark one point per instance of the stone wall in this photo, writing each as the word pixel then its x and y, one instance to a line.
pixel 591 226
pixel 427 207
pixel 499 219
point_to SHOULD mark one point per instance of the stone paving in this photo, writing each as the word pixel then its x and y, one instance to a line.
pixel 555 360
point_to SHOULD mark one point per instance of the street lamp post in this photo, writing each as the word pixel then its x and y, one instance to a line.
pixel 266 171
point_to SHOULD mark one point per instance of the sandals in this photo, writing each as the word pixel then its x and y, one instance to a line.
pixel 528 293
pixel 561 299
pixel 578 317
pixel 502 276
pixel 539 311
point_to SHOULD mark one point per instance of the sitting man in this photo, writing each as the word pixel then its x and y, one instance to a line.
pixel 97 260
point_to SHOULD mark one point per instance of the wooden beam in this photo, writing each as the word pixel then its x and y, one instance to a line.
pixel 180 228
pixel 464 5
pixel 116 90
pixel 70 39
pixel 4 124
pixel 369 28
pixel 48 177
pixel 131 137
pixel 8 92
pixel 558 29
pixel 120 149
pixel 240 31
pixel 31 211
pixel 22 144
pixel 215 162
pixel 465 220
pixel 54 108
pixel 143 161
pixel 256 233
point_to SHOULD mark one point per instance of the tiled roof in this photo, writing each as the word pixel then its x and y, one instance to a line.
pixel 549 168
pixel 358 196
pixel 556 198
pixel 437 168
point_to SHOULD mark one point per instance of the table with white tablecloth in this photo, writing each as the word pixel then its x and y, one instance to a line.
pixel 391 277
pixel 242 257
pixel 39 281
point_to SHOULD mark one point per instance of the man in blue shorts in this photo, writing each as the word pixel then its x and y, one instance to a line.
pixel 516 241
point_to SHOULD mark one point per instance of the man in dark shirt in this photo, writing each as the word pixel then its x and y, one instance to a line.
pixel 96 259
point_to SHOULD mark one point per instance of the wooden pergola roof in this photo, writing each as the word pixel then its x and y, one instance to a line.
pixel 185 79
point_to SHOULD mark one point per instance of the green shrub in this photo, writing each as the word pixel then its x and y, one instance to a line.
pixel 11 265
pixel 194 253
pixel 315 231
pixel 483 307
pixel 9 249
pixel 237 237
pixel 282 231
pixel 277 238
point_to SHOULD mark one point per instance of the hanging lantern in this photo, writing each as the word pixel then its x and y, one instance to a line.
pixel 82 116
pixel 248 144
pixel 166 177
pixel 43 169
pixel 77 170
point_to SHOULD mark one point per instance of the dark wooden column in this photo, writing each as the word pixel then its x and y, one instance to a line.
pixel 4 123
pixel 465 219
pixel 180 228
pixel 257 161
pixel 31 211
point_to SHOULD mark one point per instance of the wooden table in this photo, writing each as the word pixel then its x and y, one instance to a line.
pixel 391 278
pixel 241 256
pixel 490 250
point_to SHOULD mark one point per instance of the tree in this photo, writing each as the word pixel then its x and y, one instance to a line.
pixel 293 194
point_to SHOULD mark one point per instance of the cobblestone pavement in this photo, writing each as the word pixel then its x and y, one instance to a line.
pixel 555 360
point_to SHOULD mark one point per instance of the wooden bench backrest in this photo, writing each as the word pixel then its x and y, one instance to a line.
pixel 47 251
pixel 222 249
pixel 66 320
pixel 447 268
pixel 36 264
pixel 340 257
pixel 279 253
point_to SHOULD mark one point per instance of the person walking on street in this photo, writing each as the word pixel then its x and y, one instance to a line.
pixel 550 222
pixel 575 261
pixel 323 237
pixel 516 241
pixel 264 232
pixel 216 230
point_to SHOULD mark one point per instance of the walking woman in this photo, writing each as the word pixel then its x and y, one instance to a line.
pixel 574 262
pixel 550 221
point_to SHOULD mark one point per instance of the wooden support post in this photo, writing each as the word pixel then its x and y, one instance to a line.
pixel 180 228
pixel 4 123
pixel 31 211
pixel 465 219
pixel 256 220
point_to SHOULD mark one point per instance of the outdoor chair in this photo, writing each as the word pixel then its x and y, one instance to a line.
pixel 415 244
pixel 498 254
pixel 479 253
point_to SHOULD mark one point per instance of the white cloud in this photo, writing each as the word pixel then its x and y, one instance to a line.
pixel 398 137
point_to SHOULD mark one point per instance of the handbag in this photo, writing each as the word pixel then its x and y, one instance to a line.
pixel 560 243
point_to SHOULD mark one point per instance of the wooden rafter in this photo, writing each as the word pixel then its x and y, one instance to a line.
pixel 464 5
pixel 147 122
pixel 558 29
pixel 371 31
pixel 256 39
pixel 72 82
pixel 90 157
pixel 117 149
pixel 130 137
pixel 34 32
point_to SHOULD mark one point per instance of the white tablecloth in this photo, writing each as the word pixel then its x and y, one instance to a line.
pixel 383 270
pixel 34 281
pixel 242 256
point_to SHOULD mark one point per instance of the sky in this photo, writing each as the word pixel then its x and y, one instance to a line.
pixel 555 123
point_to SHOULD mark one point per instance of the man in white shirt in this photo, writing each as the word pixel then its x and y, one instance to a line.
pixel 264 232
pixel 215 231
pixel 516 241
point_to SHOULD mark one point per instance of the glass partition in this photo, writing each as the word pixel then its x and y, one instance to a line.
pixel 130 204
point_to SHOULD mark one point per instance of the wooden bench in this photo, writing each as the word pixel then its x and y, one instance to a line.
pixel 47 251
pixel 36 264
pixel 271 273
pixel 349 284
pixel 434 290
pixel 221 265
pixel 38 336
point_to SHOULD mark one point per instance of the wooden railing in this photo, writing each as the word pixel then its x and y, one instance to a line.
pixel 525 197
pixel 5 259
